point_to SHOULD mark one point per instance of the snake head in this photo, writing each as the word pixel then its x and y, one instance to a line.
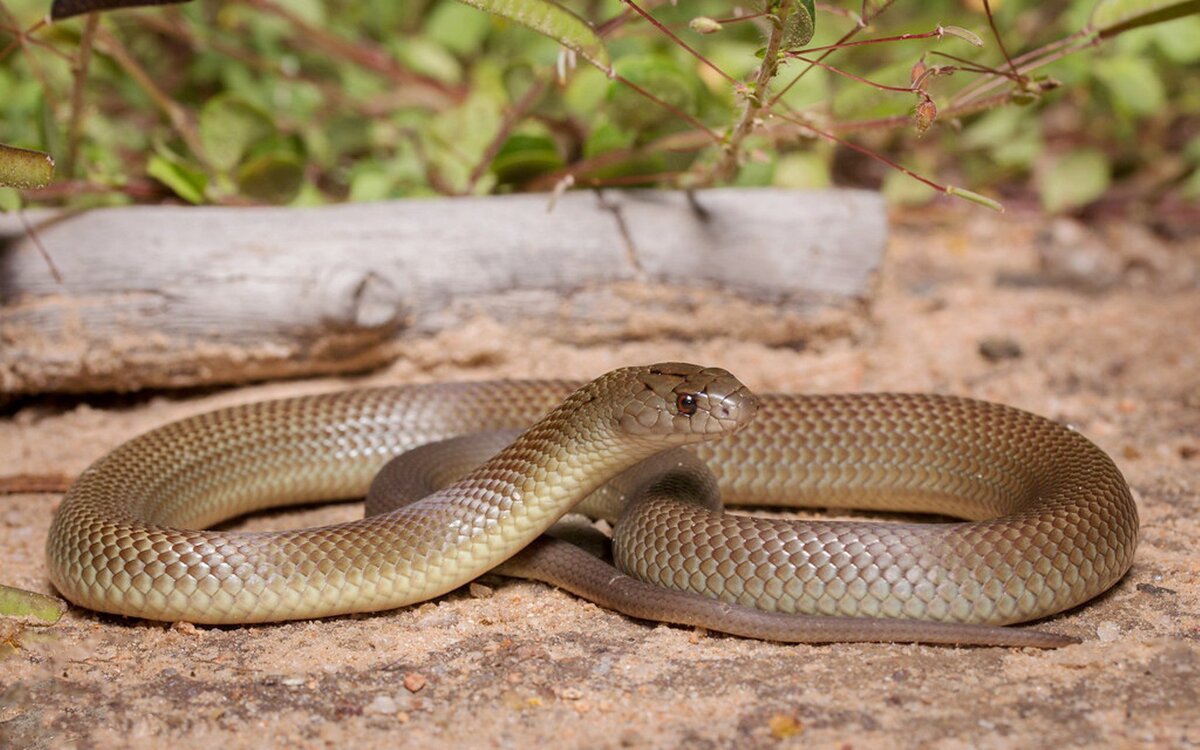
pixel 686 402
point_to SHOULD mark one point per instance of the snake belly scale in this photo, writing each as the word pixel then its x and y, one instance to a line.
pixel 1050 522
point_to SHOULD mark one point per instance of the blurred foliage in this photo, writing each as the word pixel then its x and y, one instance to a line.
pixel 310 101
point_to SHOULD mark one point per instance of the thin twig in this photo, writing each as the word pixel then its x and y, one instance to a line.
pixel 987 9
pixel 1027 63
pixel 511 118
pixel 668 106
pixel 37 242
pixel 865 151
pixel 363 54
pixel 178 116
pixel 686 141
pixel 863 21
pixel 875 84
pixel 673 37
pixel 755 101
pixel 80 72
pixel 937 33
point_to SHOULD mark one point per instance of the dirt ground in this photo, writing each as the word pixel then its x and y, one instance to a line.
pixel 1098 327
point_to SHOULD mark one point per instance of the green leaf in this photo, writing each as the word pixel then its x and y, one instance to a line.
pixel 229 127
pixel 523 157
pixel 24 169
pixel 1133 83
pixel 371 184
pixel 10 200
pixel 800 24
pixel 605 137
pixel 551 19
pixel 457 28
pixel 21 603
pixel 185 180
pixel 968 36
pixel 1076 179
pixel 271 178
pixel 976 198
pixel 662 76
pixel 424 56
pixel 1111 17
pixel 802 170
pixel 755 174
pixel 1178 40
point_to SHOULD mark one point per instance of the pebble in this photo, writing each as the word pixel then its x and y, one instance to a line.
pixel 414 681
pixel 783 726
pixel 382 704
pixel 479 591
pixel 1108 631
pixel 999 348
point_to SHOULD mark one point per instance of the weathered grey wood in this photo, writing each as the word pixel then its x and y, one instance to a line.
pixel 158 296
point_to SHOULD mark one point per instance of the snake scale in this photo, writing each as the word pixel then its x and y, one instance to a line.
pixel 1049 521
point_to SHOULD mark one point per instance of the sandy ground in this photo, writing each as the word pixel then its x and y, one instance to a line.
pixel 1097 327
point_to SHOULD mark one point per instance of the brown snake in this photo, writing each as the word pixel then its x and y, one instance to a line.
pixel 1051 522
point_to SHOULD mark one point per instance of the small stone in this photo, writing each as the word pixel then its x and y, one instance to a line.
pixel 382 704
pixel 292 681
pixel 1108 631
pixel 999 348
pixel 479 591
pixel 414 681
pixel 571 694
pixel 783 726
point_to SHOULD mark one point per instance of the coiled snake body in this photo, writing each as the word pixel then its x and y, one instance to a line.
pixel 1050 520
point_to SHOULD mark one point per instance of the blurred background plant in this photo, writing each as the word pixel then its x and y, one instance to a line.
pixel 1089 105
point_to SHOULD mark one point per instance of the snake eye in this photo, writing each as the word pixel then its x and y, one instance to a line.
pixel 686 404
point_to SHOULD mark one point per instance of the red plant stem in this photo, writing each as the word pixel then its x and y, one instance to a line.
pixel 936 33
pixel 365 55
pixel 80 72
pixel 1030 61
pixel 656 24
pixel 865 152
pixel 987 8
pixel 511 118
pixel 860 79
pixel 669 107
pixel 32 234
pixel 862 24
pixel 110 45
pixel 970 66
